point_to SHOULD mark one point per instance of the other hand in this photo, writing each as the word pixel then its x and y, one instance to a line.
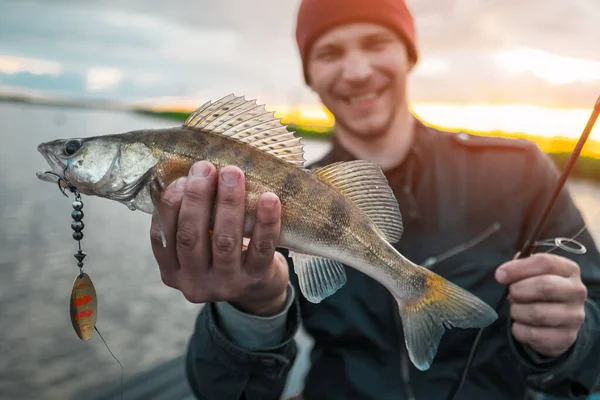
pixel 547 298
pixel 206 270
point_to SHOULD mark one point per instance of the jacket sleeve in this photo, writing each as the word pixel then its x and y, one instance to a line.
pixel 576 373
pixel 232 355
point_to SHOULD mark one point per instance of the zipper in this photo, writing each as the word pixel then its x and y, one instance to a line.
pixel 428 263
pixel 404 360
pixel 406 375
pixel 431 261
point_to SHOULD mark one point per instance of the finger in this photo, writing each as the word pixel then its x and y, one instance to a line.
pixel 548 314
pixel 548 341
pixel 168 207
pixel 229 221
pixel 545 288
pixel 538 264
pixel 193 242
pixel 261 248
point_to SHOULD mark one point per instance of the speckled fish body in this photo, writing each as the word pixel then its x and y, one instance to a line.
pixel 343 214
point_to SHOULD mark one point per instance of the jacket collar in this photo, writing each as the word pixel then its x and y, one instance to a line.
pixel 418 152
pixel 407 173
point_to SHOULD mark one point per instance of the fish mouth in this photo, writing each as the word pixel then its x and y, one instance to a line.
pixel 57 168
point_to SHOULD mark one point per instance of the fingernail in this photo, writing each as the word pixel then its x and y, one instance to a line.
pixel 500 275
pixel 200 170
pixel 180 184
pixel 230 177
pixel 269 201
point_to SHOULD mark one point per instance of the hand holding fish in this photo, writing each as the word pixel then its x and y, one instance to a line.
pixel 547 300
pixel 205 270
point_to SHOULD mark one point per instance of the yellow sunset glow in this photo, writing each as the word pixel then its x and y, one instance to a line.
pixel 533 120
pixel 547 126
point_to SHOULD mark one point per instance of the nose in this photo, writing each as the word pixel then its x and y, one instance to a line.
pixel 41 147
pixel 356 67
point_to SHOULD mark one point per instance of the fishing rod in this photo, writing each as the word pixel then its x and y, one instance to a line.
pixel 530 242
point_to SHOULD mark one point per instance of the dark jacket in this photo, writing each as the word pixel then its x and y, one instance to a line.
pixel 468 203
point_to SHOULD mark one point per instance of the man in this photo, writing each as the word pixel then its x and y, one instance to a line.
pixel 468 204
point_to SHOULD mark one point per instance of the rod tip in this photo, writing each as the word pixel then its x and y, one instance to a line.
pixel 597 106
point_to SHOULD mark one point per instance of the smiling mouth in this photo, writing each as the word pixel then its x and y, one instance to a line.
pixel 364 97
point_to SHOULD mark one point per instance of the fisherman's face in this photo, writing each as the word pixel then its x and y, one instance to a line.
pixel 359 72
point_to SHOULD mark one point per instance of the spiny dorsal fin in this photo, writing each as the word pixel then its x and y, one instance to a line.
pixel 366 185
pixel 251 123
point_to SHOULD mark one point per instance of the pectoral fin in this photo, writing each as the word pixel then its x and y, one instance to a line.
pixel 157 188
pixel 318 277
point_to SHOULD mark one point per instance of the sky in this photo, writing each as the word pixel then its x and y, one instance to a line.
pixel 541 53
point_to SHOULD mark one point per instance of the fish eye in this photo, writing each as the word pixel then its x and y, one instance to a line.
pixel 71 147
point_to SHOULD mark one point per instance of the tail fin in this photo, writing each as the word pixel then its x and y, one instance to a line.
pixel 442 304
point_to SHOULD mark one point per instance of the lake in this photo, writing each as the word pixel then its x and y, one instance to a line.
pixel 143 321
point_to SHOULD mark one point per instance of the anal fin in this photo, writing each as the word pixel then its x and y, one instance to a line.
pixel 318 277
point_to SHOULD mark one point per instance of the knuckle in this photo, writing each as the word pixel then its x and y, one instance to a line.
pixel 546 287
pixel 194 193
pixel 186 235
pixel 581 291
pixel 168 280
pixel 229 201
pixel 580 316
pixel 264 247
pixel 553 263
pixel 268 223
pixel 224 244
pixel 192 295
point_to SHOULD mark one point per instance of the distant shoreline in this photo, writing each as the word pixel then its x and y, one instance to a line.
pixel 558 148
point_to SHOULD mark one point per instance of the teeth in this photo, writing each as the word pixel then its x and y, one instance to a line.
pixel 364 97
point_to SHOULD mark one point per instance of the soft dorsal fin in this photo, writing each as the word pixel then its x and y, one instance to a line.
pixel 251 123
pixel 365 184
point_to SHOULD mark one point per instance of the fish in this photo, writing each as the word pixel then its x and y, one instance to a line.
pixel 340 215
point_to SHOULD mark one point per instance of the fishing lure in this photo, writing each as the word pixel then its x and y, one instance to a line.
pixel 83 304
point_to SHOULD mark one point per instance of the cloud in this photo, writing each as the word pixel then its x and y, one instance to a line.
pixel 12 65
pixel 102 79
pixel 471 50
pixel 68 85
pixel 552 68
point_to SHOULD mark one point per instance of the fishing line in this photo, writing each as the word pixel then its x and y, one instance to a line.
pixel 559 243
pixel 84 302
pixel 116 359
pixel 529 245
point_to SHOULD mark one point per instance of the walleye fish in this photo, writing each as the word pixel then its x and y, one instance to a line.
pixel 341 214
